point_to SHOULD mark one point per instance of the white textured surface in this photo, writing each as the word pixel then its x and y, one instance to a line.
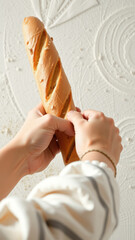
pixel 96 42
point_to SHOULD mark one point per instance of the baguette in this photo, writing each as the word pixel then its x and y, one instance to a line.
pixel 53 85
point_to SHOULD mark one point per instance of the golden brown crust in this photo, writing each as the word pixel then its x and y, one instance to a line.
pixel 54 88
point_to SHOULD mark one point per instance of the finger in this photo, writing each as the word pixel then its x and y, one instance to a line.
pixel 54 147
pixel 60 124
pixel 50 152
pixel 40 109
pixel 76 119
pixel 87 114
pixel 74 116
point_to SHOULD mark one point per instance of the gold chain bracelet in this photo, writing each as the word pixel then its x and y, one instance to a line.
pixel 96 150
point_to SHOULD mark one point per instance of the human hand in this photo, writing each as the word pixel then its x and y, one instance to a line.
pixel 93 130
pixel 37 135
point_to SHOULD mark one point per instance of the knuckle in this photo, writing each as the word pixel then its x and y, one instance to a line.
pixel 111 121
pixel 102 114
pixel 99 114
pixel 49 118
pixel 118 130
pixel 120 138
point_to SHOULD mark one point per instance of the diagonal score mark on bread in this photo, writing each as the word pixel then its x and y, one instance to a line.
pixel 52 81
pixel 53 85
pixel 39 48
pixel 71 150
pixel 66 106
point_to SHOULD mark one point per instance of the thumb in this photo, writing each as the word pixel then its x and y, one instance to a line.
pixel 60 124
pixel 75 118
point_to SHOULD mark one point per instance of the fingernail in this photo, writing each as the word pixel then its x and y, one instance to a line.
pixel 78 109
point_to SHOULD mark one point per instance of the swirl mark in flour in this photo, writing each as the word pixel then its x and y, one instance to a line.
pixel 127 132
pixel 58 12
pixel 41 8
pixel 115 41
pixel 13 99
pixel 11 94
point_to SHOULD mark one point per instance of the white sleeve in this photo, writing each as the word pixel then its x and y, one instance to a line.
pixel 82 203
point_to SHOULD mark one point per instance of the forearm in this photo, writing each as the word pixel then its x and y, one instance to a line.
pixel 12 166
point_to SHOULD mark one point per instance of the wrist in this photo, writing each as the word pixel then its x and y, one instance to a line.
pixel 12 166
pixel 99 157
pixel 19 152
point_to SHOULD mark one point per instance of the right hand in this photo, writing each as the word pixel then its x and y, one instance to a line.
pixel 37 138
pixel 93 130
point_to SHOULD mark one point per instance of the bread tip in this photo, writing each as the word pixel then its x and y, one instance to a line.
pixel 25 20
pixel 28 19
pixel 32 23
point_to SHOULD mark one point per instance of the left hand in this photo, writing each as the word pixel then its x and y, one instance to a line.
pixel 37 135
